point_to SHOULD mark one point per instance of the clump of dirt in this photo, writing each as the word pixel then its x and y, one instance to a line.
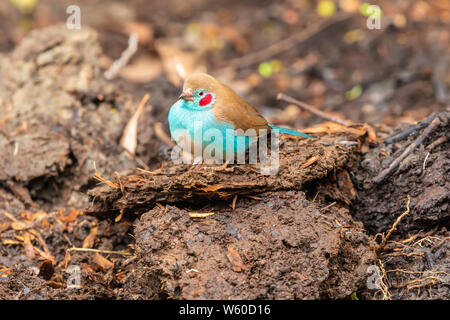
pixel 284 247
pixel 56 106
pixel 415 258
pixel 64 239
pixel 423 175
pixel 59 115
pixel 300 161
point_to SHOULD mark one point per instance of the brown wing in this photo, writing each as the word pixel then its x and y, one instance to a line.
pixel 230 107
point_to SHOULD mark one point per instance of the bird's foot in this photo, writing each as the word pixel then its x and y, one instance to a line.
pixel 222 168
pixel 196 167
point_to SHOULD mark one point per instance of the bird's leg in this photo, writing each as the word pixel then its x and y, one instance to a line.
pixel 197 164
pixel 223 167
pixel 195 167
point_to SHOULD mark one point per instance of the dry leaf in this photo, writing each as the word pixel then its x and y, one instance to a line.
pixel 67 220
pixel 124 57
pixel 345 184
pixel 46 253
pixel 365 147
pixel 103 263
pixel 90 239
pixel 67 258
pixel 101 179
pixel 39 215
pixel 215 187
pixel 4 226
pixel 119 217
pixel 29 249
pixel 9 216
pixel 129 137
pixel 235 259
pixel 310 161
pixel 18 225
pixel 20 238
pixel 371 136
pixel 162 135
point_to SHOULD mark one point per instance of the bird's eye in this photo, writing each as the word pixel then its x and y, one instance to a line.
pixel 201 93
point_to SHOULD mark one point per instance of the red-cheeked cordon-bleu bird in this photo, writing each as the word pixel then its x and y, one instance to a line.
pixel 210 113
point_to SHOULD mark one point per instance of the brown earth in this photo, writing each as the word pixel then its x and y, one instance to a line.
pixel 309 232
pixel 281 246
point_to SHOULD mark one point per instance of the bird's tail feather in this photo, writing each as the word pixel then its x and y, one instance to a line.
pixel 289 131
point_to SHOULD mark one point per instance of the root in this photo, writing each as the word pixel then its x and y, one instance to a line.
pixel 394 226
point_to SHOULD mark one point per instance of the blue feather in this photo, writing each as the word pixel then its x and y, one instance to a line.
pixel 289 131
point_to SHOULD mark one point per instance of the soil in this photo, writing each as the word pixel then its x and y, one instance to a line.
pixel 283 248
pixel 74 205
pixel 424 178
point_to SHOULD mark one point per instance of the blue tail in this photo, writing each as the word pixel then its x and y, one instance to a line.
pixel 289 131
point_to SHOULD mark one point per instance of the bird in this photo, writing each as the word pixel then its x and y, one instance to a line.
pixel 209 112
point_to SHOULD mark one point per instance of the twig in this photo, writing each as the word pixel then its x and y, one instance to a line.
pixel 101 179
pixel 129 138
pixel 10 216
pixel 124 58
pixel 402 135
pixel 155 172
pixel 437 142
pixel 440 243
pixel 233 204
pixel 425 161
pixel 124 253
pixel 122 188
pixel 287 43
pixel 313 110
pixel 348 143
pixel 385 239
pixel 388 171
pixel 418 272
pixel 422 282
pixel 328 206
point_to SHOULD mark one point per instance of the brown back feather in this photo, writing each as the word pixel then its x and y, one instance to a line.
pixel 229 106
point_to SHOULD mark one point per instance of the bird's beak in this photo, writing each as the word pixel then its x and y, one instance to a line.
pixel 186 95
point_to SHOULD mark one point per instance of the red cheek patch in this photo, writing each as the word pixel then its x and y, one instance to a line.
pixel 205 100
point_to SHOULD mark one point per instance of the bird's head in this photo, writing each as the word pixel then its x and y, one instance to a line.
pixel 200 89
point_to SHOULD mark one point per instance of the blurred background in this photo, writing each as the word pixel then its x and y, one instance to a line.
pixel 320 52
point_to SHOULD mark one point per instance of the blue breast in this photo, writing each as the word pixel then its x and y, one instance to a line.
pixel 182 117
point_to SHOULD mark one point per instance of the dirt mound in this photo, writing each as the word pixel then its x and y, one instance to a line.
pixel 423 175
pixel 300 161
pixel 415 198
pixel 283 248
pixel 58 116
